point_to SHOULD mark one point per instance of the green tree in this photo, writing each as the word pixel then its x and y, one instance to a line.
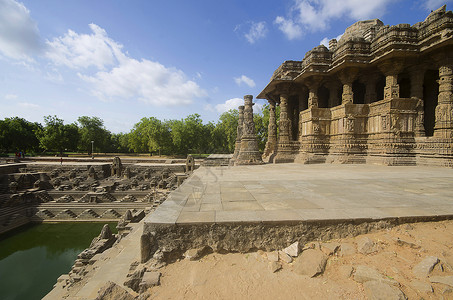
pixel 150 135
pixel 57 136
pixel 189 135
pixel 224 135
pixel 119 143
pixel 92 129
pixel 18 134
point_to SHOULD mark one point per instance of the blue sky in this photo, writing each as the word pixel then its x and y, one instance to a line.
pixel 124 60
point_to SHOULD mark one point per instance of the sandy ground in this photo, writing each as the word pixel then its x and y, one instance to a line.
pixel 248 276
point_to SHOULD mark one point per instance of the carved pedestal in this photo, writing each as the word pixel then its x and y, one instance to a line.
pixel 249 153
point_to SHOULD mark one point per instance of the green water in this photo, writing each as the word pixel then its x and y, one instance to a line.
pixel 34 256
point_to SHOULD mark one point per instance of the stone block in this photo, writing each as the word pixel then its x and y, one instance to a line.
pixel 425 267
pixel 448 280
pixel 272 256
pixel 421 286
pixel 311 263
pixel 112 291
pixel 149 279
pixel 378 290
pixel 292 250
pixel 347 249
pixel 363 274
pixel 366 246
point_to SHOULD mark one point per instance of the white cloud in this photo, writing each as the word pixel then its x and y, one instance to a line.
pixel 434 4
pixel 288 27
pixel 314 15
pixel 257 31
pixel 234 104
pixel 149 81
pixel 244 79
pixel 10 96
pixel 117 74
pixel 28 105
pixel 85 50
pixel 229 104
pixel 19 34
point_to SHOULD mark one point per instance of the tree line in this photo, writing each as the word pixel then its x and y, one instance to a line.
pixel 149 135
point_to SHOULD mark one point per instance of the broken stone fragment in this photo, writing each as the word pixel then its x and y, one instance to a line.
pixel 347 249
pixel 363 274
pixel 425 267
pixel 112 291
pixel 366 246
pixel 149 279
pixel 292 250
pixel 402 242
pixel 378 290
pixel 346 270
pixel 272 256
pixel 330 248
pixel 311 263
pixel 285 257
pixel 421 286
pixel 448 280
pixel 135 279
pixel 275 266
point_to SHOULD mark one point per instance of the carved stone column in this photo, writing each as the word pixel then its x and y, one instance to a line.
pixel 417 77
pixel 391 89
pixel 249 153
pixel 444 109
pixel 283 124
pixel 370 88
pixel 237 146
pixel 391 69
pixel 347 77
pixel 271 143
pixel 313 85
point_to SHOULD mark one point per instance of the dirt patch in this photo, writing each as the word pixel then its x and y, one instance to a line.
pixel 396 252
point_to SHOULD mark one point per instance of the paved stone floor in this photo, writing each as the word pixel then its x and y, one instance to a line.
pixel 296 192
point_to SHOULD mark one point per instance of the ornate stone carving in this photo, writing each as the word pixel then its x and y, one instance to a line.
pixel 249 153
pixel 389 129
pixel 271 143
pixel 237 146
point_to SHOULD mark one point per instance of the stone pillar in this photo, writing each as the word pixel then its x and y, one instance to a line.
pixel 444 109
pixel 237 146
pixel 417 77
pixel 283 124
pixel 347 77
pixel 313 95
pixel 271 132
pixel 370 88
pixel 391 69
pixel 249 153
pixel 348 94
pixel 391 89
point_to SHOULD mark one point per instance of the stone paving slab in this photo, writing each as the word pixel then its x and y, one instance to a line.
pixel 296 192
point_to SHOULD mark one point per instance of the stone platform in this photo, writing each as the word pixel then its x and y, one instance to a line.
pixel 294 192
pixel 270 205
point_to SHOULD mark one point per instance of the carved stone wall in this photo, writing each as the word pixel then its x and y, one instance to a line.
pixel 380 94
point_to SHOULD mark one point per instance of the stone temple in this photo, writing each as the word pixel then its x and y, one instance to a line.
pixel 380 94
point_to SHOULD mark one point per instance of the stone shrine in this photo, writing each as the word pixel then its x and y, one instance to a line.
pixel 248 153
pixel 380 94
